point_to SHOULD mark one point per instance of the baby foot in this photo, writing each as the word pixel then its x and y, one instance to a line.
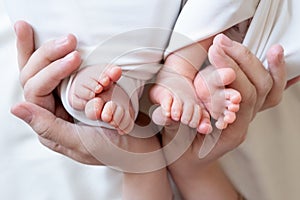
pixel 113 107
pixel 90 81
pixel 178 102
pixel 210 85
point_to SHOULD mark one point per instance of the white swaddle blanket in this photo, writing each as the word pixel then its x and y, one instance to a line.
pixel 275 22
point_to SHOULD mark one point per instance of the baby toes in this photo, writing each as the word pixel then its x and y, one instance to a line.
pixel 233 95
pixel 205 126
pixel 195 117
pixel 176 109
pixel 233 98
pixel 77 103
pixel 229 117
pixel 220 123
pixel 109 76
pixel 93 108
pixel 126 124
pixel 91 84
pixel 187 114
pixel 118 116
pixel 79 95
pixel 166 104
pixel 108 111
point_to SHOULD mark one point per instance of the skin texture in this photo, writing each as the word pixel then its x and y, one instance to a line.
pixel 91 91
pixel 187 96
pixel 260 89
pixel 42 70
pixel 256 88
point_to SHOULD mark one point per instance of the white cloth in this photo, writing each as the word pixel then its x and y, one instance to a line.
pixel 266 166
pixel 276 22
pixel 272 21
pixel 199 20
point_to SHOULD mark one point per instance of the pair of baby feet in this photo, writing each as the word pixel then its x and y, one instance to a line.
pixel 192 102
pixel 94 91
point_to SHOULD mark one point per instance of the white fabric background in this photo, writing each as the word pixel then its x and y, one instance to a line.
pixel 266 166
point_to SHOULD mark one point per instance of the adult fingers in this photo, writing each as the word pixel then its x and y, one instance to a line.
pixel 52 128
pixel 44 82
pixel 160 118
pixel 242 56
pixel 47 53
pixel 62 136
pixel 250 65
pixel 242 83
pixel 222 60
pixel 276 65
pixel 80 156
pixel 25 42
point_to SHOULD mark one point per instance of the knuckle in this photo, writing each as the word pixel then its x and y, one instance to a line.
pixel 240 139
pixel 237 139
pixel 274 101
pixel 30 90
pixel 43 131
pixel 266 85
pixel 22 79
pixel 246 54
pixel 51 145
pixel 250 97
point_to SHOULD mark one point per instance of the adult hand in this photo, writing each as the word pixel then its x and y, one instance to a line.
pixel 41 72
pixel 42 111
pixel 259 88
pixel 270 84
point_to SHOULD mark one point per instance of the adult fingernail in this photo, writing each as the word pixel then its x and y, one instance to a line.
pixel 281 56
pixel 61 41
pixel 226 41
pixel 23 114
pixel 69 57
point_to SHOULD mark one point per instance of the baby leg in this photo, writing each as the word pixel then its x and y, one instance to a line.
pixel 152 183
pixel 176 97
pixel 211 88
pixel 90 81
